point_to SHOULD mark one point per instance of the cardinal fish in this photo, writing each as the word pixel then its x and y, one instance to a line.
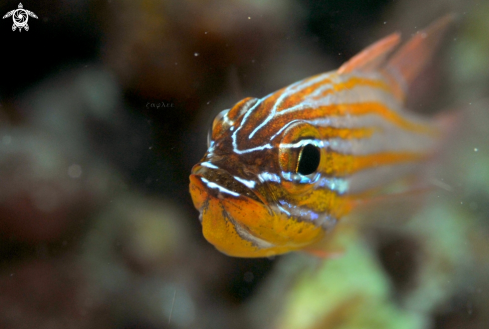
pixel 281 171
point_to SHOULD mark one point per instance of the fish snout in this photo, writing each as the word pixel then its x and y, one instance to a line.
pixel 238 223
pixel 220 184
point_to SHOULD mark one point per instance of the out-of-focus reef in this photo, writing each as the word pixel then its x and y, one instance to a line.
pixel 105 107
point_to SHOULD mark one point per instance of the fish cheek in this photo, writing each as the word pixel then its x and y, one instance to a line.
pixel 279 230
pixel 277 234
pixel 221 232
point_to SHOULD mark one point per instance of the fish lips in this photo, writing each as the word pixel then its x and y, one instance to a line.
pixel 243 226
pixel 219 183
pixel 219 204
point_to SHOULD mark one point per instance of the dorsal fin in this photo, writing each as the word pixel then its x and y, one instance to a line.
pixel 406 64
pixel 371 57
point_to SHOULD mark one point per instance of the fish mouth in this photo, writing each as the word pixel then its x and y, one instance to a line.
pixel 219 196
pixel 220 184
pixel 238 222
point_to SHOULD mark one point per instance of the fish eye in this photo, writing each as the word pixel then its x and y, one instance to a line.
pixel 309 159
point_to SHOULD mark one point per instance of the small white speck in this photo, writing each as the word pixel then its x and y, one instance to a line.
pixel 151 147
pixel 385 23
pixel 6 139
pixel 205 32
pixel 74 171
pixel 476 149
pixel 249 17
pixel 196 54
pixel 208 102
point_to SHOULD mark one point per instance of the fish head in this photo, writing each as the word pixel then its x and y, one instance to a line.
pixel 262 202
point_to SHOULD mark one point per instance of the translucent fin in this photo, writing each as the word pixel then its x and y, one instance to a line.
pixel 333 244
pixel 371 57
pixel 389 209
pixel 406 64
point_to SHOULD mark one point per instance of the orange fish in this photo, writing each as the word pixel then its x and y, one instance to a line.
pixel 281 171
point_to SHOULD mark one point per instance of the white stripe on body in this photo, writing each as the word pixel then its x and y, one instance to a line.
pixel 290 90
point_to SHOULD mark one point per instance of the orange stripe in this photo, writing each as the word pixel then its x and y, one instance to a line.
pixel 388 114
pixel 382 159
pixel 345 133
pixel 360 109
pixel 296 98
pixel 354 82
pixel 357 81
pixel 344 164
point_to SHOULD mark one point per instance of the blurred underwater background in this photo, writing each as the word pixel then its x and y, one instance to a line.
pixel 105 108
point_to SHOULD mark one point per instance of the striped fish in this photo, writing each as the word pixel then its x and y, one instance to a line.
pixel 281 171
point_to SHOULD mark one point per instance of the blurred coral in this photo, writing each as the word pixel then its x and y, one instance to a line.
pixel 183 50
pixel 47 294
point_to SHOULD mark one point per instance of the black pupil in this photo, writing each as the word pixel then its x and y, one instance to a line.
pixel 308 160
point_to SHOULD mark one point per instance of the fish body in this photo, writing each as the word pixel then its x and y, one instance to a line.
pixel 281 171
